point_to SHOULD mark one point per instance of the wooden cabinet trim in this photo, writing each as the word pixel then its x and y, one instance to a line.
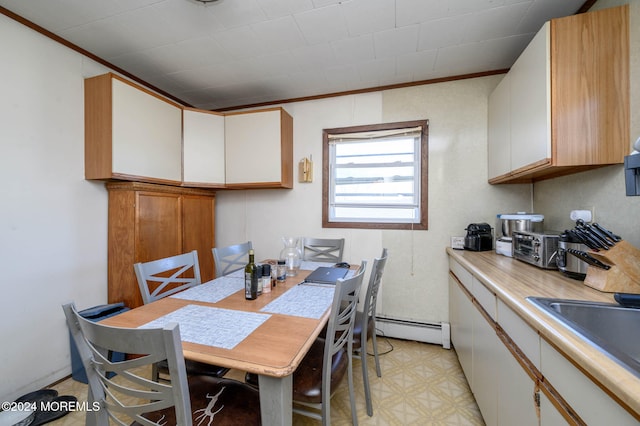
pixel 142 186
pixel 97 127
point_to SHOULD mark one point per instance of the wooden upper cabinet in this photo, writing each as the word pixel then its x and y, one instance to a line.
pixel 590 87
pixel 259 149
pixel 203 148
pixel 568 102
pixel 131 133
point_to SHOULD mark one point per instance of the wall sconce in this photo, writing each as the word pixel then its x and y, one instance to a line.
pixel 305 170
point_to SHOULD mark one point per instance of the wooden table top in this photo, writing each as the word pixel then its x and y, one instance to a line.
pixel 275 348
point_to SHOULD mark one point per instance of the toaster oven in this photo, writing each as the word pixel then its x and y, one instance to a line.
pixel 538 249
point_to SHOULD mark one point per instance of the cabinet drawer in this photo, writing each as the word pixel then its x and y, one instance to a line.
pixel 588 400
pixel 520 332
pixel 462 274
pixel 485 297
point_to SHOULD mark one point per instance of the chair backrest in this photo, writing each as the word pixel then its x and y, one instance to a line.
pixel 163 277
pixel 371 297
pixel 322 249
pixel 231 258
pixel 124 397
pixel 340 324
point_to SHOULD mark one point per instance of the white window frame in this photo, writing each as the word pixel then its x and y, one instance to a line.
pixel 412 214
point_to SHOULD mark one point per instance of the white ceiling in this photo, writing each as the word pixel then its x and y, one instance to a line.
pixel 240 52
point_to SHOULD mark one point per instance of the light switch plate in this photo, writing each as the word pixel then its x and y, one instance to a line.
pixel 457 243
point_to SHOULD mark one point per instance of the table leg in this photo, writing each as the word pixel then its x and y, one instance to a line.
pixel 276 400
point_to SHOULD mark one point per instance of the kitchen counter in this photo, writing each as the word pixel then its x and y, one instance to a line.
pixel 512 281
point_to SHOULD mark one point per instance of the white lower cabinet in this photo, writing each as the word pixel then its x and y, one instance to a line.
pixel 516 391
pixel 461 319
pixel 486 346
pixel 588 400
pixel 549 414
pixel 504 360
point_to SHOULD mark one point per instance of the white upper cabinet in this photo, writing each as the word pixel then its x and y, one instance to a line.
pixel 203 148
pixel 131 133
pixel 499 136
pixel 530 103
pixel 520 111
pixel 259 149
pixel 564 106
pixel 134 134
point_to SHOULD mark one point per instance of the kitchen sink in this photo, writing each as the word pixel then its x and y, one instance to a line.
pixel 611 328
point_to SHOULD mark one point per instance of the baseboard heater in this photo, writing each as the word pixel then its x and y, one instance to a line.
pixel 435 332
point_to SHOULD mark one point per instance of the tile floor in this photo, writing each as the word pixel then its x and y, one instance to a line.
pixel 421 384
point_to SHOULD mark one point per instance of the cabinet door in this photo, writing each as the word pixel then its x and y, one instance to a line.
pixel 198 227
pixel 159 225
pixel 462 327
pixel 530 103
pixel 588 400
pixel 549 415
pixel 499 131
pixel 486 345
pixel 203 148
pixel 259 149
pixel 130 133
pixel 147 134
pixel 516 403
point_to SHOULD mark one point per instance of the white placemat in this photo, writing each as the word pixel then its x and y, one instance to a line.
pixel 222 328
pixel 212 291
pixel 308 301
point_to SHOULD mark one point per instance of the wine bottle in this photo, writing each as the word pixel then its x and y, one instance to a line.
pixel 251 278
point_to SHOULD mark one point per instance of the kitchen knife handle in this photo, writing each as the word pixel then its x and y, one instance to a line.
pixel 614 237
pixel 584 256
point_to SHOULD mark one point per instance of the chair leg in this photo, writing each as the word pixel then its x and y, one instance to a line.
pixel 155 374
pixel 365 378
pixel 352 396
pixel 375 353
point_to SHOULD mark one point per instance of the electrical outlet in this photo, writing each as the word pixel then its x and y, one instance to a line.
pixel 583 213
pixel 457 243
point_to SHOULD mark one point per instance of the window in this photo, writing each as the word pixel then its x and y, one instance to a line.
pixel 375 176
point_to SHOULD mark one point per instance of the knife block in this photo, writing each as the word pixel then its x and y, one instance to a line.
pixel 624 274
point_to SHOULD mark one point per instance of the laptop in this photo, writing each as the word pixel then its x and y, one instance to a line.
pixel 326 275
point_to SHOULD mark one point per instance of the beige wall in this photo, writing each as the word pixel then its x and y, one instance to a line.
pixel 53 223
pixel 415 282
pixel 603 189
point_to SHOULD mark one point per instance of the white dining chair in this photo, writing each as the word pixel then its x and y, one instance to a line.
pixel 231 258
pixel 324 366
pixel 164 277
pixel 322 249
pixel 365 326
pixel 130 397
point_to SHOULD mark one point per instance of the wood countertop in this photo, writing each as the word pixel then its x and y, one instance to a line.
pixel 512 281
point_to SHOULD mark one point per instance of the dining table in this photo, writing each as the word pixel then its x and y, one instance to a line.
pixel 268 336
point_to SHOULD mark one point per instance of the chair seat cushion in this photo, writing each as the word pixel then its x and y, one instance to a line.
pixel 357 330
pixel 216 401
pixel 307 379
pixel 195 368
